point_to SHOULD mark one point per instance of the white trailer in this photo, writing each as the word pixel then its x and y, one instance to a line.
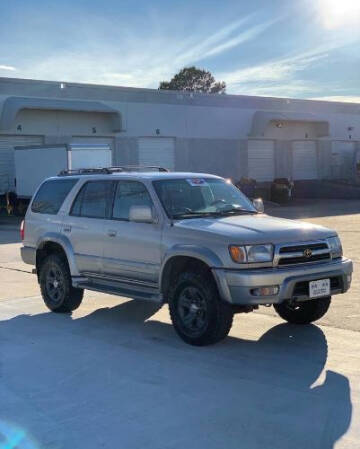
pixel 33 164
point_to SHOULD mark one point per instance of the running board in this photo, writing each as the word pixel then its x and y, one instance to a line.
pixel 121 289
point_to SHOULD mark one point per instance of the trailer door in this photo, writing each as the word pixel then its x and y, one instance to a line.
pixel 7 166
pixel 34 164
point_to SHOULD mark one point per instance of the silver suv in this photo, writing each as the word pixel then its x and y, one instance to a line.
pixel 191 240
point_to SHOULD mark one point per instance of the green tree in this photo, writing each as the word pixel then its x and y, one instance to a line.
pixel 194 80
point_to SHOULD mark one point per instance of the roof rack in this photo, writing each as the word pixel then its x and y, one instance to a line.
pixel 110 170
pixel 119 168
pixel 83 171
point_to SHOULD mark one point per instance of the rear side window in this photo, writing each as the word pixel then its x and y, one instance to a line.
pixel 51 196
pixel 93 200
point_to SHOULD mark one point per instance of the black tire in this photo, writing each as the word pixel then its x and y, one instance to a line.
pixel 199 316
pixel 56 287
pixel 303 312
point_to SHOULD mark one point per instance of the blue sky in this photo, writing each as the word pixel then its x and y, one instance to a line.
pixel 285 48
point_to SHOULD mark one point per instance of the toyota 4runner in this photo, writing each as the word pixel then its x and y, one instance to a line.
pixel 191 240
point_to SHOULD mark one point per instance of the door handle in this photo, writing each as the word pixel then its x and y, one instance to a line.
pixel 67 228
pixel 111 233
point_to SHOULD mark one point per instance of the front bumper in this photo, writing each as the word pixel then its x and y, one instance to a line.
pixel 235 286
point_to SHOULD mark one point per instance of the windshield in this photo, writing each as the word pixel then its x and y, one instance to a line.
pixel 191 197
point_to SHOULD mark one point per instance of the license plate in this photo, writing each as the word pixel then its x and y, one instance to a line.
pixel 319 288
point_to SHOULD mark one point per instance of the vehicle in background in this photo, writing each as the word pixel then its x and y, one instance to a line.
pixel 34 164
pixel 191 240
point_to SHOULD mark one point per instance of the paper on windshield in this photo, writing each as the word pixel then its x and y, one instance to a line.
pixel 196 182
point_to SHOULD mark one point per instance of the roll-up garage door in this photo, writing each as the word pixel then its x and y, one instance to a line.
pixel 7 167
pixel 94 141
pixel 342 159
pixel 261 162
pixel 159 151
pixel 304 161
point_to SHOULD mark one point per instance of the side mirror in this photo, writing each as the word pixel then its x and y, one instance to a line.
pixel 141 214
pixel 259 205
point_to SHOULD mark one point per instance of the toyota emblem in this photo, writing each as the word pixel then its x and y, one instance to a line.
pixel 307 253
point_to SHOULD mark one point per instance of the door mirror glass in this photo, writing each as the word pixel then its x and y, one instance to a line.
pixel 141 214
pixel 259 205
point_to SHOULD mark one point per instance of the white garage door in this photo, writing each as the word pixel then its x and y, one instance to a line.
pixel 159 151
pixel 341 151
pixel 304 161
pixel 87 158
pixel 81 161
pixel 261 163
pixel 7 166
pixel 342 159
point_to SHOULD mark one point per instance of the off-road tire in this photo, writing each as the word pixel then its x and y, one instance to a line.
pixel 219 315
pixel 303 312
pixel 69 297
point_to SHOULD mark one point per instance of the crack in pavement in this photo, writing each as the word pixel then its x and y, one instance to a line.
pixel 15 269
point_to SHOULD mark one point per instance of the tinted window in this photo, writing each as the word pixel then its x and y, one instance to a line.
pixel 93 199
pixel 51 196
pixel 129 193
pixel 204 196
pixel 76 207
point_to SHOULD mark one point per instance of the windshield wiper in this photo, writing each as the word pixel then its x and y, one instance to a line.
pixel 191 214
pixel 194 214
pixel 235 210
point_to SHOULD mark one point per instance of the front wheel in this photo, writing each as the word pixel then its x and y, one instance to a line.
pixel 199 316
pixel 303 312
pixel 56 287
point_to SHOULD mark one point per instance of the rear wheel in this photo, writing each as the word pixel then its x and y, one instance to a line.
pixel 56 287
pixel 199 316
pixel 303 312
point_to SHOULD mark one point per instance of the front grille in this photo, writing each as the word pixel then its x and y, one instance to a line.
pixel 302 247
pixel 295 254
pixel 302 259
pixel 302 288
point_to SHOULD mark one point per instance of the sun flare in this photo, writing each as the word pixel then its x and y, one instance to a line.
pixel 340 13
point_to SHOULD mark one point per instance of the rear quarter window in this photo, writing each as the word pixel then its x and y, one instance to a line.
pixel 51 196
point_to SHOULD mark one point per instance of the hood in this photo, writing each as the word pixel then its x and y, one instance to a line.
pixel 259 228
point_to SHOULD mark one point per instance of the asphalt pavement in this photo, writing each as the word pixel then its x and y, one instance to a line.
pixel 115 375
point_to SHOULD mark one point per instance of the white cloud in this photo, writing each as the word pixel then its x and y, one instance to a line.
pixel 278 70
pixel 340 98
pixel 199 46
pixel 137 61
pixel 280 76
pixel 222 41
pixel 247 35
pixel 8 68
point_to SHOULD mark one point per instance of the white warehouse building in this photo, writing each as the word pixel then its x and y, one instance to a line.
pixel 231 135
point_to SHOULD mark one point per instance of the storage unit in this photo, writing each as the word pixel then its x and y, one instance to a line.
pixel 235 136
pixel 158 151
pixel 7 170
pixel 342 159
pixel 304 160
pixel 91 140
pixel 36 163
pixel 89 156
pixel 261 161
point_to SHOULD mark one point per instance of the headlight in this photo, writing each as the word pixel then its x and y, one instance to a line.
pixel 252 253
pixel 335 247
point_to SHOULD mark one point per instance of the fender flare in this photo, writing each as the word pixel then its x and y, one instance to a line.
pixel 65 244
pixel 197 252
